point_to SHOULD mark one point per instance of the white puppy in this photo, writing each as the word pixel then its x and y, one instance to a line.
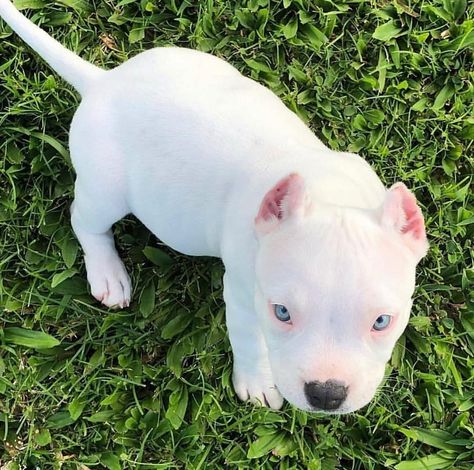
pixel 320 258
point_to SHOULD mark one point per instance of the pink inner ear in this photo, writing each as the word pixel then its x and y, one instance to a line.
pixel 411 220
pixel 272 202
pixel 401 213
pixel 414 223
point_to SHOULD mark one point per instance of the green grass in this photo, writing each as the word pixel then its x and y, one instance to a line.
pixel 149 387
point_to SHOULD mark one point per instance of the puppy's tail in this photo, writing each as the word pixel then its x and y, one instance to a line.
pixel 78 72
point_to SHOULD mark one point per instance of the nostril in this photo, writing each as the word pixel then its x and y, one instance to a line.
pixel 327 395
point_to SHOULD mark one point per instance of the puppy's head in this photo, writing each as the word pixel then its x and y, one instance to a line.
pixel 333 291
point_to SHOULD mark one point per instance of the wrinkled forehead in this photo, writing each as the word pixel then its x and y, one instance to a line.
pixel 358 259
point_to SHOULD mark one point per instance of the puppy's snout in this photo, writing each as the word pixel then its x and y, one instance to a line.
pixel 325 396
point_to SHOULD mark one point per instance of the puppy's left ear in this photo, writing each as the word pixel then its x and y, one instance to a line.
pixel 401 213
pixel 287 199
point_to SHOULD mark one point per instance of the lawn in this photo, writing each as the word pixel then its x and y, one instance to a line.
pixel 150 386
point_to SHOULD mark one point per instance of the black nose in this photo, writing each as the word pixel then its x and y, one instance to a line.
pixel 325 396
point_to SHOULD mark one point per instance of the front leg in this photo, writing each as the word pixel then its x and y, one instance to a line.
pixel 252 376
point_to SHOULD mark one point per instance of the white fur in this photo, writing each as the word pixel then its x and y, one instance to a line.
pixel 190 146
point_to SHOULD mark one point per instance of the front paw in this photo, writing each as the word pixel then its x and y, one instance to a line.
pixel 109 280
pixel 256 386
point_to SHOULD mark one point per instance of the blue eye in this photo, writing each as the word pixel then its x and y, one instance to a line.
pixel 281 312
pixel 382 322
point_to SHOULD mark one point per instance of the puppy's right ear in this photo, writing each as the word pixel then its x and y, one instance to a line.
pixel 401 213
pixel 287 199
